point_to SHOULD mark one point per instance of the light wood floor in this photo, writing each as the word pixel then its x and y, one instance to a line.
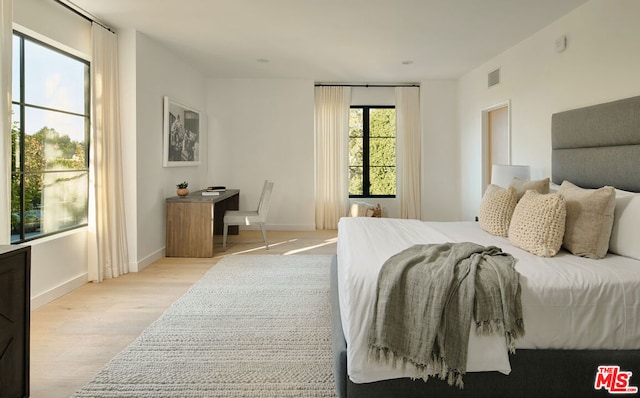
pixel 73 337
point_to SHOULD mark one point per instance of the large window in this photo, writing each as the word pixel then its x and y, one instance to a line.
pixel 49 140
pixel 372 151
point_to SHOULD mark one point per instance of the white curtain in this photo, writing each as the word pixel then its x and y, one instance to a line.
pixel 332 154
pixel 409 149
pixel 6 34
pixel 108 257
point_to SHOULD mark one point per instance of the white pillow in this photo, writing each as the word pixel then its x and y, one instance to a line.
pixel 361 209
pixel 626 225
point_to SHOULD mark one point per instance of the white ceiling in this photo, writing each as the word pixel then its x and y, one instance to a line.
pixel 348 41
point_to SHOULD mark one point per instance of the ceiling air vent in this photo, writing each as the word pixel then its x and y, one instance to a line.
pixel 494 77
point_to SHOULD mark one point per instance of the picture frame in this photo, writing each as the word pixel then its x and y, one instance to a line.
pixel 181 134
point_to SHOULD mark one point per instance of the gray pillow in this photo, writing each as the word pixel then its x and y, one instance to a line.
pixel 522 186
pixel 589 219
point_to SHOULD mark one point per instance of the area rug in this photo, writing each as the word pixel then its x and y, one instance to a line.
pixel 253 326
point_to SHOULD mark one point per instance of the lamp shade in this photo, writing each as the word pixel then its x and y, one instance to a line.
pixel 502 174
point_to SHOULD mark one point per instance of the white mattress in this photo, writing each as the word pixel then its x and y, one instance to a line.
pixel 568 302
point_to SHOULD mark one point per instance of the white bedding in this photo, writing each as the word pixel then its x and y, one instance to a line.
pixel 568 302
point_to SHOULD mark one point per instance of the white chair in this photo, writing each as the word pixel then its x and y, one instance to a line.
pixel 238 217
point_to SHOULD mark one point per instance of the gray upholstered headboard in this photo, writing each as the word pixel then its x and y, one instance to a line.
pixel 598 145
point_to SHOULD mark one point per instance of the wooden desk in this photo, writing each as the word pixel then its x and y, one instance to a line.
pixel 194 219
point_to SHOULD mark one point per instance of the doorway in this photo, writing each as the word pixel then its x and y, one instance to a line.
pixel 496 138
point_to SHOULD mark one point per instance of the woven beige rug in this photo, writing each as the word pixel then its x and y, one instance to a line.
pixel 253 326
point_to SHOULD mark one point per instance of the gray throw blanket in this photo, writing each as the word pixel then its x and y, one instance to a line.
pixel 426 296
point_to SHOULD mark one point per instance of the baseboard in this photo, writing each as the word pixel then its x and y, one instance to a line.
pixel 59 291
pixel 147 261
pixel 282 227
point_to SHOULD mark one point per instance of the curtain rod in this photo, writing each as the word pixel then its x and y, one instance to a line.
pixel 366 85
pixel 81 12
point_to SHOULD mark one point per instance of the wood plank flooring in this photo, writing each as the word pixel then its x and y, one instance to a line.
pixel 73 337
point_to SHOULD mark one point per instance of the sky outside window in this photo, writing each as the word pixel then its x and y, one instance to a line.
pixel 51 79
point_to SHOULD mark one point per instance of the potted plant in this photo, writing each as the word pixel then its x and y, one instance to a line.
pixel 182 189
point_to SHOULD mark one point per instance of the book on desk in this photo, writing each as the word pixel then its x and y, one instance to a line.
pixel 214 190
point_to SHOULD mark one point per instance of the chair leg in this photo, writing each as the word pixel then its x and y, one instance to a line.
pixel 225 231
pixel 263 227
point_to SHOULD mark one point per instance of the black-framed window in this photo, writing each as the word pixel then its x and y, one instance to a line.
pixel 372 151
pixel 49 140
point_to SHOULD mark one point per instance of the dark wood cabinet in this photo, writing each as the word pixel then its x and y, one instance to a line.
pixel 15 281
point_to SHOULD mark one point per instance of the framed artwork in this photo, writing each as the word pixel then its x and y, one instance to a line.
pixel 181 133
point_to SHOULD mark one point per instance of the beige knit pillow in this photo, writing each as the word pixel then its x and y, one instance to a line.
pixel 522 186
pixel 538 223
pixel 496 209
pixel 589 219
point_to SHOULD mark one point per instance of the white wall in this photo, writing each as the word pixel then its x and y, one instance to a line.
pixel 154 72
pixel 58 265
pixel 600 64
pixel 54 22
pixel 373 96
pixel 440 151
pixel 263 129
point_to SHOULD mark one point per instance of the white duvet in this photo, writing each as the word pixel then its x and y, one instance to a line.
pixel 568 302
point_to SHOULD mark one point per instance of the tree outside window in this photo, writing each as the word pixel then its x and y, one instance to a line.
pixel 372 151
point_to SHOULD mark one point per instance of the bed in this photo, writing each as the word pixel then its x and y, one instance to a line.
pixel 568 333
